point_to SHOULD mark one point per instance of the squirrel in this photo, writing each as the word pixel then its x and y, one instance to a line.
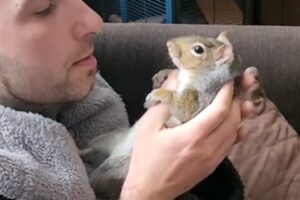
pixel 204 64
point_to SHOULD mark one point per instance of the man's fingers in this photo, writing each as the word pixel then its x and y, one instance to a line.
pixel 155 118
pixel 172 81
pixel 249 78
pixel 211 117
pixel 223 138
pixel 246 108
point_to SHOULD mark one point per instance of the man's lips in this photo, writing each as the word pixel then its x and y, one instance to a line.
pixel 89 61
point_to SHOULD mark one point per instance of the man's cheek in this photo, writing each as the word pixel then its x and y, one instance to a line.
pixel 43 49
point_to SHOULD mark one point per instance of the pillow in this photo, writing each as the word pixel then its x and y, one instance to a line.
pixel 268 160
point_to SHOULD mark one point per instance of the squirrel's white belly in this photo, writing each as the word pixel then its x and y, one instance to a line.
pixel 184 80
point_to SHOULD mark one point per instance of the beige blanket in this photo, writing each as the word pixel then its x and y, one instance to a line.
pixel 269 158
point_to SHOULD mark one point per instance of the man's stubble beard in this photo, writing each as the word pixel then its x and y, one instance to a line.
pixel 11 98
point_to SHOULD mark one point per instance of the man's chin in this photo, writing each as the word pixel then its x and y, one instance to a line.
pixel 84 93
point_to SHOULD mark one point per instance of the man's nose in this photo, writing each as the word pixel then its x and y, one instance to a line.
pixel 87 22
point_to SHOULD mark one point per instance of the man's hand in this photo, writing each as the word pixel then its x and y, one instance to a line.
pixel 168 162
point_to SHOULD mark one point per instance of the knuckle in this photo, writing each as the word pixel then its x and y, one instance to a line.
pixel 210 159
pixel 188 141
pixel 237 120
pixel 222 111
pixel 198 136
pixel 212 164
pixel 208 156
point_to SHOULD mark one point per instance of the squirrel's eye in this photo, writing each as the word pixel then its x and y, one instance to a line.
pixel 198 49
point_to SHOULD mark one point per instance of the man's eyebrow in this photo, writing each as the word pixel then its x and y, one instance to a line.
pixel 22 4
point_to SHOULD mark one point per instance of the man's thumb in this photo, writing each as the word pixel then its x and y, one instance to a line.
pixel 154 118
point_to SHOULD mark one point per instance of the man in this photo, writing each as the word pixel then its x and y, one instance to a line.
pixel 53 102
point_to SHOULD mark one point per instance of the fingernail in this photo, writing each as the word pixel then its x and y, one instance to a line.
pixel 252 70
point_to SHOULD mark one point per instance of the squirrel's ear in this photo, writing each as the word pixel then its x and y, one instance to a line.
pixel 224 54
pixel 223 37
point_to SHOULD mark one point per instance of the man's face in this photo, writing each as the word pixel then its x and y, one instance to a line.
pixel 46 48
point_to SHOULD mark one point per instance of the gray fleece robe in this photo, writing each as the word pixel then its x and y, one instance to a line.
pixel 39 152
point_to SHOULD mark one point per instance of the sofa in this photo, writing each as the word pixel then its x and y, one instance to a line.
pixel 130 54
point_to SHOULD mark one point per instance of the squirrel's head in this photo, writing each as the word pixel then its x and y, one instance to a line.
pixel 198 52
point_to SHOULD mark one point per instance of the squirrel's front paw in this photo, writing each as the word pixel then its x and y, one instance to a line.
pixel 160 77
pixel 159 96
pixel 151 100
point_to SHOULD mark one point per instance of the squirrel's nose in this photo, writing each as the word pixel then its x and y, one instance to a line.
pixel 170 43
